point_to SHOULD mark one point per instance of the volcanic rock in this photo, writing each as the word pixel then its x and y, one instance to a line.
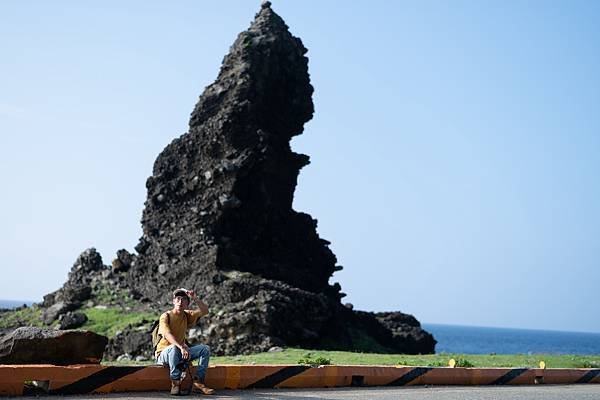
pixel 132 341
pixel 30 345
pixel 57 309
pixel 220 197
pixel 219 217
pixel 123 261
pixel 78 287
pixel 72 320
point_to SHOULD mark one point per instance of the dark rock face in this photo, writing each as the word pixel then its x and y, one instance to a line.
pixel 219 217
pixel 220 197
pixel 72 320
pixel 123 261
pixel 31 345
pixel 132 341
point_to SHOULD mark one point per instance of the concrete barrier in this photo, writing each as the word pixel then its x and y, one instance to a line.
pixel 82 379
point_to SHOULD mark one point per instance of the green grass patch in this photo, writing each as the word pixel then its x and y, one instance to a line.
pixel 29 316
pixel 110 320
pixel 320 357
pixel 293 356
pixel 106 295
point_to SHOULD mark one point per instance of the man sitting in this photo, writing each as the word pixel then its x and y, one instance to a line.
pixel 172 350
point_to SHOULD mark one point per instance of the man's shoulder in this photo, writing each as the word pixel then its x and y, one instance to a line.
pixel 165 315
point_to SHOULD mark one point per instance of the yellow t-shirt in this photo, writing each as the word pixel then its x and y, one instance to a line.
pixel 177 325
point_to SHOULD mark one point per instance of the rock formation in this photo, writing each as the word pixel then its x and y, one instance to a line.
pixel 220 197
pixel 218 218
pixel 30 345
pixel 219 214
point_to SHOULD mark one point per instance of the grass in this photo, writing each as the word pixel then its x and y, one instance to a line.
pixel 111 320
pixel 104 294
pixel 29 316
pixel 319 357
pixel 293 356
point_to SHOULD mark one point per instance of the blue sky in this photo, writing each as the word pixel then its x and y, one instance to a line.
pixel 455 146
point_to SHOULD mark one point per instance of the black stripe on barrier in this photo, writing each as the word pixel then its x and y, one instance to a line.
pixel 96 380
pixel 410 376
pixel 272 380
pixel 509 376
pixel 588 376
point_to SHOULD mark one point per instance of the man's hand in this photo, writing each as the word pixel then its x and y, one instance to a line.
pixel 185 352
pixel 192 295
pixel 201 305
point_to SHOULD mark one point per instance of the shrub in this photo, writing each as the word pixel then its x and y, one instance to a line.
pixel 307 360
pixel 463 362
pixel 589 364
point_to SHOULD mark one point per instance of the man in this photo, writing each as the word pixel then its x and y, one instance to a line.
pixel 172 351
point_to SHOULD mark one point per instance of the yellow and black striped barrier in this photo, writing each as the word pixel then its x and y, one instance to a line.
pixel 82 379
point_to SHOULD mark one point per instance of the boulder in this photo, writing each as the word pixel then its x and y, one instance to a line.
pixel 133 341
pixel 72 320
pixel 50 314
pixel 123 261
pixel 32 345
pixel 87 267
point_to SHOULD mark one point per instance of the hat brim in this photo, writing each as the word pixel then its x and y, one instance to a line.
pixel 180 292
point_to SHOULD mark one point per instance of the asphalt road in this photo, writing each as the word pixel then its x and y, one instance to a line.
pixel 540 392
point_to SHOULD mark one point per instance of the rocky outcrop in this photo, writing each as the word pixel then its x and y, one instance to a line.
pixel 29 345
pixel 220 197
pixel 219 219
pixel 87 280
pixel 78 287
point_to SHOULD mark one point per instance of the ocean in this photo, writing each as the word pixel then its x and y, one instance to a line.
pixel 14 303
pixel 480 340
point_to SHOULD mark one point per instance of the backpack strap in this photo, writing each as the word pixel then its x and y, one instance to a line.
pixel 160 336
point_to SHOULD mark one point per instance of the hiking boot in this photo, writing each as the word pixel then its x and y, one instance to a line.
pixel 175 387
pixel 200 387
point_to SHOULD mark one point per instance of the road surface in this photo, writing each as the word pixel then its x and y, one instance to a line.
pixel 539 392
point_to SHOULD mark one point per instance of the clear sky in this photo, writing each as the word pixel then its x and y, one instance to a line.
pixel 455 145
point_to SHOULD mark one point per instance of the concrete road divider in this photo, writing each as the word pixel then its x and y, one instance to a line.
pixel 82 379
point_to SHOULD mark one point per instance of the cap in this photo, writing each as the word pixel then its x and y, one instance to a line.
pixel 181 292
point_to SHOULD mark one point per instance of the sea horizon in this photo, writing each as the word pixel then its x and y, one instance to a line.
pixel 15 303
pixel 424 324
pixel 464 339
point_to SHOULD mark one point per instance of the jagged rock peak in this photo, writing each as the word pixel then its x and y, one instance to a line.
pixel 268 20
pixel 220 197
pixel 263 80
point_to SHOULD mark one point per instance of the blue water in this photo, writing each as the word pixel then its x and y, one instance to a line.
pixel 479 340
pixel 14 303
